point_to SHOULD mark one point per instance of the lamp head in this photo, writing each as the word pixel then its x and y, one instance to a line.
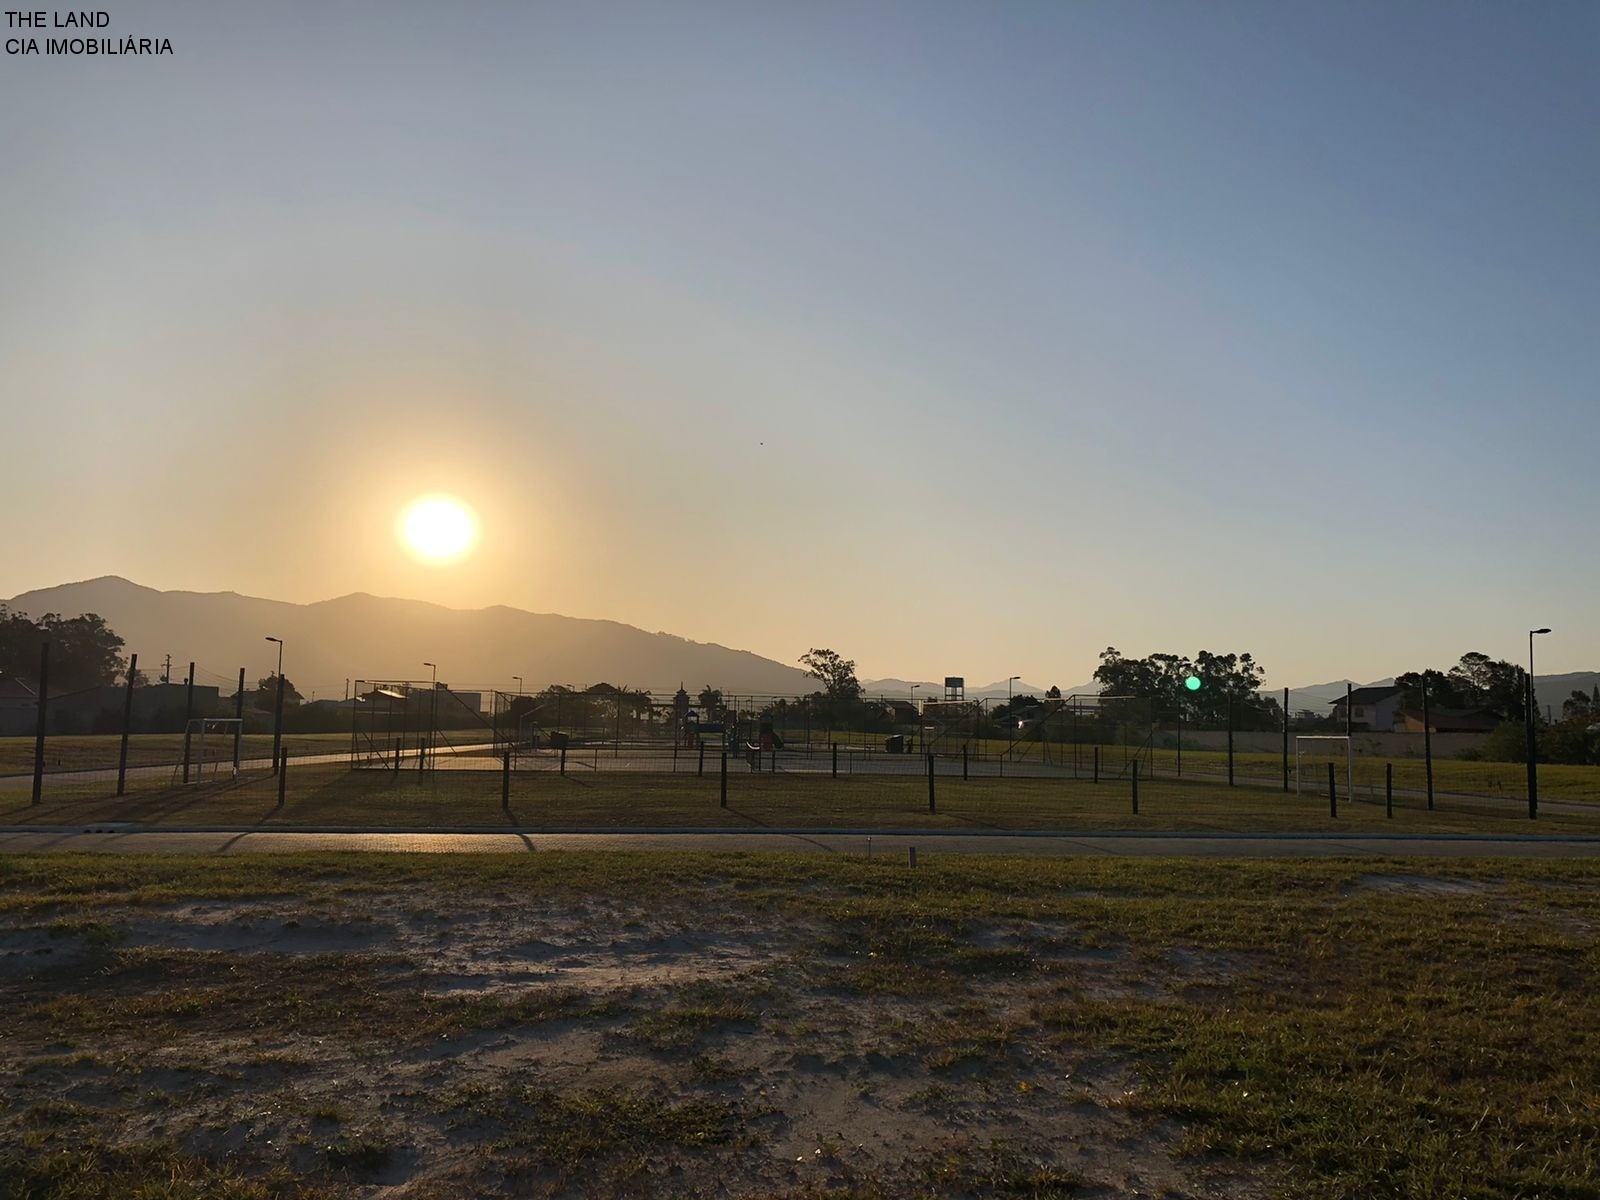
pixel 1539 630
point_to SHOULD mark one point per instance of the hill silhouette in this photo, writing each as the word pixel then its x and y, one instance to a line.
pixel 373 637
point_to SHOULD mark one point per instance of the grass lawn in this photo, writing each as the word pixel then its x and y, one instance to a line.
pixel 331 794
pixel 797 1026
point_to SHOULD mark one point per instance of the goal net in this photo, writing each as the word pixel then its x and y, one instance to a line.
pixel 210 750
pixel 1312 753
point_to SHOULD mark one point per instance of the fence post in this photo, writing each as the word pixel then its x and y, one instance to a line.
pixel 1286 739
pixel 38 733
pixel 1180 743
pixel 283 775
pixel 1427 740
pixel 277 725
pixel 1230 743
pixel 1135 787
pixel 127 721
pixel 1333 794
pixel 238 715
pixel 563 760
pixel 835 759
pixel 188 716
pixel 1097 762
pixel 1388 789
pixel 723 784
pixel 505 782
pixel 963 762
pixel 701 768
pixel 930 784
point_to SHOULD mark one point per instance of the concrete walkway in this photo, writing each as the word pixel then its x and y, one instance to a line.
pixel 236 841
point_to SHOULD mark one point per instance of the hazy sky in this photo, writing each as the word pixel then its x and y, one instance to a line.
pixel 962 338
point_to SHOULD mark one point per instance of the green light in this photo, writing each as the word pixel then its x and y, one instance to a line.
pixel 1192 683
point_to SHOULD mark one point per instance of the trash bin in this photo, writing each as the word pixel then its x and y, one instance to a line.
pixel 895 743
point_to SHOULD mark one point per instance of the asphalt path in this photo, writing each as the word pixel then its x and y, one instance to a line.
pixel 110 839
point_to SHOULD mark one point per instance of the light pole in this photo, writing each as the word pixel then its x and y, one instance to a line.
pixel 518 678
pixel 1533 734
pixel 1011 717
pixel 433 707
pixel 277 708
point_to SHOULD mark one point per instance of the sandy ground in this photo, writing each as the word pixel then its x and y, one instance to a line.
pixel 803 1081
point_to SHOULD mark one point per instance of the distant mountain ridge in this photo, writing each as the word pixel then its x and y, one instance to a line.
pixel 379 638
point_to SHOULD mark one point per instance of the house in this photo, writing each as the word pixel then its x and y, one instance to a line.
pixel 1374 709
pixel 1451 720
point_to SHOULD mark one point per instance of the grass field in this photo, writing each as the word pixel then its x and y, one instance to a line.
pixel 797 1026
pixel 331 794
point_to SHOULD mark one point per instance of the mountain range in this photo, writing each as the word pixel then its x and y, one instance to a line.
pixel 379 638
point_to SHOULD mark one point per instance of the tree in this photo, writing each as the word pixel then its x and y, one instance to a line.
pixel 836 674
pixel 1494 684
pixel 1579 704
pixel 265 697
pixel 710 699
pixel 1444 690
pixel 1477 681
pixel 85 652
pixel 1226 680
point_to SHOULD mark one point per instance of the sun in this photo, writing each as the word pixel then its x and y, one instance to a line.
pixel 437 529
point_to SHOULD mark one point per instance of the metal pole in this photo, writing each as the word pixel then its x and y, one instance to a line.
pixel 127 721
pixel 1135 778
pixel 1286 740
pixel 723 782
pixel 963 762
pixel 38 735
pixel 277 718
pixel 283 776
pixel 188 716
pixel 1097 762
pixel 1349 747
pixel 238 716
pixel 1427 740
pixel 1230 743
pixel 1333 796
pixel 1533 740
pixel 1388 789
pixel 835 759
pixel 930 784
pixel 505 782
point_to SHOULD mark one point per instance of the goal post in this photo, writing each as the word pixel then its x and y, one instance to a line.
pixel 1301 750
pixel 210 749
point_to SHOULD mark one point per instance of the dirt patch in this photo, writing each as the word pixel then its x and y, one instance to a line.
pixel 1423 885
pixel 707 1054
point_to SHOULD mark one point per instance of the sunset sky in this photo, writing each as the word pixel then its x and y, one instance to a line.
pixel 965 338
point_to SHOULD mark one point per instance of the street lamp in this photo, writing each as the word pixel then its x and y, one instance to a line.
pixel 433 707
pixel 1011 717
pixel 518 678
pixel 277 709
pixel 1533 734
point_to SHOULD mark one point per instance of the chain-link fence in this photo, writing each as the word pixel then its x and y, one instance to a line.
pixel 407 752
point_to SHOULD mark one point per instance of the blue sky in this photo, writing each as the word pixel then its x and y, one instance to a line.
pixel 963 338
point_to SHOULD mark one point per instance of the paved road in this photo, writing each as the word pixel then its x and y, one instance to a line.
pixel 14 840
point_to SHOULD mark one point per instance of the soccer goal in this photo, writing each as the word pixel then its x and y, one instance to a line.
pixel 210 750
pixel 1302 751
